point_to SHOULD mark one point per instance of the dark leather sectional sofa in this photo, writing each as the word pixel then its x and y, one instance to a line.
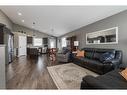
pixel 110 80
pixel 93 63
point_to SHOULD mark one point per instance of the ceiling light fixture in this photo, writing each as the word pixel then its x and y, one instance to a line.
pixel 23 21
pixel 33 29
pixel 33 24
pixel 19 13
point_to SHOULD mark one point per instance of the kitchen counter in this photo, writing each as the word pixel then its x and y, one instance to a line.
pixel 2 45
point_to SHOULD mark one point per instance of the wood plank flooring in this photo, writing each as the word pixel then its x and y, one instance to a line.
pixel 30 73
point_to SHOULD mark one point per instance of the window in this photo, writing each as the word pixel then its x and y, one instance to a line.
pixel 64 42
pixel 52 43
pixel 37 42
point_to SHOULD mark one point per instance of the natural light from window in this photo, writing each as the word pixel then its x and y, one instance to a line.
pixel 52 43
pixel 64 42
pixel 37 42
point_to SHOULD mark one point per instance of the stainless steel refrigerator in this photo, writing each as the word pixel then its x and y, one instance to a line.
pixel 10 48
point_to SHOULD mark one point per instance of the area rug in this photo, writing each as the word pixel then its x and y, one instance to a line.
pixel 68 76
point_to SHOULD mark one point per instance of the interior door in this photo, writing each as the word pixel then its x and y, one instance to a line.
pixel 22 45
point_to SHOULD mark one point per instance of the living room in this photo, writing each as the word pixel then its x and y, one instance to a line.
pixel 116 22
pixel 39 53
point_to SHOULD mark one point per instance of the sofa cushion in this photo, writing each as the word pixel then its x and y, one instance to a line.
pixel 93 65
pixel 89 55
pixel 111 80
pixel 96 56
pixel 90 61
pixel 107 56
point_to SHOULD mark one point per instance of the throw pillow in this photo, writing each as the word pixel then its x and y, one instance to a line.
pixel 107 56
pixel 96 56
pixel 89 55
pixel 124 73
pixel 80 53
pixel 65 50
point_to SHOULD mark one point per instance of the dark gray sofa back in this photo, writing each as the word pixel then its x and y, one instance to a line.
pixel 98 50
pixel 118 53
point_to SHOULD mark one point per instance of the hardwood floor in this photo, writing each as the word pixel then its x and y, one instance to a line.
pixel 29 73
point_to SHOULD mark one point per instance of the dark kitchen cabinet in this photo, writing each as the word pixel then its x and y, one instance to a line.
pixel 45 41
pixel 29 40
pixel 1 34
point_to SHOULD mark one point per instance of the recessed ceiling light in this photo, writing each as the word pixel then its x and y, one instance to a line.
pixel 23 21
pixel 19 13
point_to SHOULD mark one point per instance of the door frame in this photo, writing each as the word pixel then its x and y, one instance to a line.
pixel 19 46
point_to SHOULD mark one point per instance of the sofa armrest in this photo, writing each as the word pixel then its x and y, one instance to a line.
pixel 110 65
pixel 114 62
pixel 90 82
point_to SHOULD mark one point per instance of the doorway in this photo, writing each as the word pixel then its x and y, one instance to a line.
pixel 22 46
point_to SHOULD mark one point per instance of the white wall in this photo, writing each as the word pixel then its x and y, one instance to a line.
pixel 119 20
pixel 29 31
pixel 5 20
pixel 2 67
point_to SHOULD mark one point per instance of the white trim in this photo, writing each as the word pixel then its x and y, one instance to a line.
pixel 2 45
pixel 103 31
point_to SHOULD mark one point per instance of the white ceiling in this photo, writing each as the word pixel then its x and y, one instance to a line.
pixel 58 20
